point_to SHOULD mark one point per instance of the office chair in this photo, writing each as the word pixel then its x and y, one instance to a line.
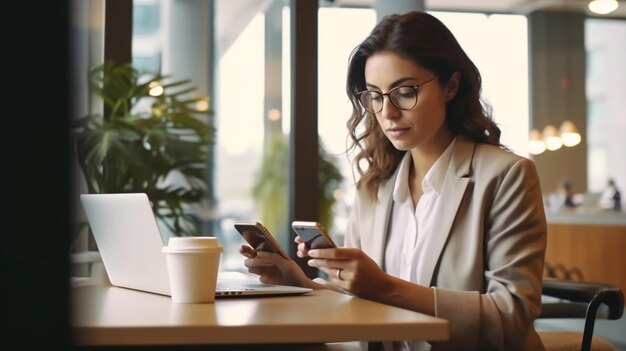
pixel 577 299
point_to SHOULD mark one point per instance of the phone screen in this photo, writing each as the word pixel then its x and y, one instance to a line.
pixel 313 236
pixel 256 238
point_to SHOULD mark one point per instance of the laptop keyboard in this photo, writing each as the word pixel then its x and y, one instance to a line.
pixel 226 289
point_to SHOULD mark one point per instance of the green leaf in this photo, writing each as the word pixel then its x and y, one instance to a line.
pixel 127 149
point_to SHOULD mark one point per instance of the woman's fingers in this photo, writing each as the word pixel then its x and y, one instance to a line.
pixel 331 267
pixel 270 257
pixel 303 250
pixel 339 276
pixel 247 251
pixel 336 253
pixel 256 262
pixel 325 262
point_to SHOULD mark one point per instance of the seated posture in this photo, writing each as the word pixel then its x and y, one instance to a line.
pixel 446 221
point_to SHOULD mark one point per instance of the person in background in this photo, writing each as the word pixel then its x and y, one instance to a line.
pixel 611 197
pixel 568 194
pixel 446 220
pixel 563 198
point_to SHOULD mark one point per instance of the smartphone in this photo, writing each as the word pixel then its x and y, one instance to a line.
pixel 313 234
pixel 255 234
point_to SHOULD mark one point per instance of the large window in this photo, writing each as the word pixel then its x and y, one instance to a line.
pixel 334 107
pixel 147 35
pixel 606 53
pixel 237 53
pixel 498 45
pixel 252 111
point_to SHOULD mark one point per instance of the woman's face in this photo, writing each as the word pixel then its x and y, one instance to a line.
pixel 421 126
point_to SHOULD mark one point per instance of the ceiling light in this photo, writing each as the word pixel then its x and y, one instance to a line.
pixel 569 134
pixel 552 138
pixel 536 145
pixel 603 7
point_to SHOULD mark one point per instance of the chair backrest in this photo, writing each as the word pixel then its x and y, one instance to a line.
pixel 583 300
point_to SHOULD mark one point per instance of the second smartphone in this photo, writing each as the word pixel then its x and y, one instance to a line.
pixel 313 234
pixel 259 237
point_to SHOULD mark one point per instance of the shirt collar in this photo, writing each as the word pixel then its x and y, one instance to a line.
pixel 437 174
pixel 401 191
pixel 432 181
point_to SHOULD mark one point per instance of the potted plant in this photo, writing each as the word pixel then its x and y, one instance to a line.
pixel 161 149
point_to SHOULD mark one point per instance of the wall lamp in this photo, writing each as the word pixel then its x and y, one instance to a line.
pixel 552 139
pixel 603 7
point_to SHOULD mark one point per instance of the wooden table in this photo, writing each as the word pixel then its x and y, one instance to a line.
pixel 105 315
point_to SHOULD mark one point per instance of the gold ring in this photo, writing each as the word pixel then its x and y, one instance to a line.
pixel 339 273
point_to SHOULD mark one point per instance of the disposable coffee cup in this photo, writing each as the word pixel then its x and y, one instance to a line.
pixel 192 266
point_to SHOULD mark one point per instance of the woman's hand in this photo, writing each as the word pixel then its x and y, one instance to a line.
pixel 351 269
pixel 274 269
pixel 354 271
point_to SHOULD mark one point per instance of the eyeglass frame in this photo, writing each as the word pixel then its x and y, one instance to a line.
pixel 415 87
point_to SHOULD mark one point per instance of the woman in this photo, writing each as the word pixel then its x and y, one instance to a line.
pixel 446 221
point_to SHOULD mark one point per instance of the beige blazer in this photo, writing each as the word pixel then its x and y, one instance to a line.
pixel 486 262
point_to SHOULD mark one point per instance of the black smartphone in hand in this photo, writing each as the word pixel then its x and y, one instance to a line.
pixel 313 235
pixel 257 236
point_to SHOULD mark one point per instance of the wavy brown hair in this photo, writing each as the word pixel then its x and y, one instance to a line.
pixel 425 40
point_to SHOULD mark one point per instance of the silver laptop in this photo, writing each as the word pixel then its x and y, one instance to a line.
pixel 130 245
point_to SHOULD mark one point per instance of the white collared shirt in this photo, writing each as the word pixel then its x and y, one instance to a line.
pixel 405 249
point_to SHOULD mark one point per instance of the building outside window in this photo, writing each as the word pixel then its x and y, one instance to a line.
pixel 606 121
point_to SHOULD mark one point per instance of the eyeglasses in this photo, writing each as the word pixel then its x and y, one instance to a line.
pixel 403 97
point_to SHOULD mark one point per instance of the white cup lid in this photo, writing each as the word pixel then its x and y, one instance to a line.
pixel 193 243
